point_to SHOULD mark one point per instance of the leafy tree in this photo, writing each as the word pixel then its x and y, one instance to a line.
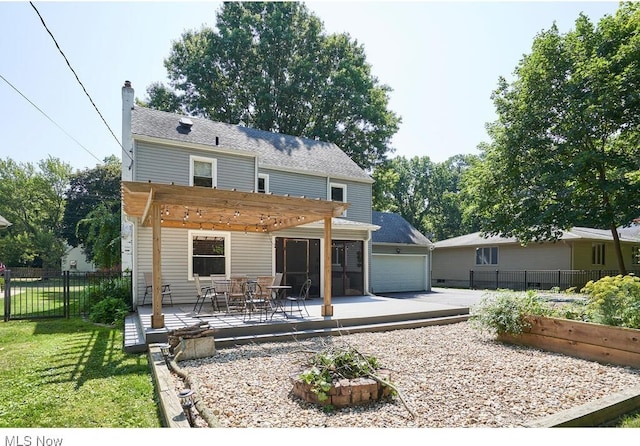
pixel 269 65
pixel 428 195
pixel 88 190
pixel 404 186
pixel 33 200
pixel 567 135
pixel 101 228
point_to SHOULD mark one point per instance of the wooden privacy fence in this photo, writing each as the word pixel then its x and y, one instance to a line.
pixel 32 293
pixel 536 279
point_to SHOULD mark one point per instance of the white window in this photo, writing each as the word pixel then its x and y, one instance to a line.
pixel 209 253
pixel 338 192
pixel 263 183
pixel 203 172
pixel 487 255
pixel 597 253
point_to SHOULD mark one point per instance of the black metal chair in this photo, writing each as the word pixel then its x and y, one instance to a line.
pixel 300 298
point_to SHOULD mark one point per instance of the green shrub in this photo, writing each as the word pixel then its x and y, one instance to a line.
pixel 109 301
pixel 116 287
pixel 504 312
pixel 111 310
pixel 614 300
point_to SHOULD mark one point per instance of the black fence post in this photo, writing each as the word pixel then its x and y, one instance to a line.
pixel 7 295
pixel 497 280
pixel 470 279
pixel 66 286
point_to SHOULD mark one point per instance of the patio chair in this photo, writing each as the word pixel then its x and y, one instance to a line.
pixel 202 293
pixel 255 300
pixel 263 283
pixel 300 298
pixel 148 290
pixel 237 287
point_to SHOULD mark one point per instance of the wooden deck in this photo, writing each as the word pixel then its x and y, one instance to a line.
pixel 351 315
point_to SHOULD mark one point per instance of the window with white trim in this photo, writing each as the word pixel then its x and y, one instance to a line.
pixel 203 172
pixel 597 254
pixel 209 253
pixel 263 183
pixel 338 192
pixel 487 255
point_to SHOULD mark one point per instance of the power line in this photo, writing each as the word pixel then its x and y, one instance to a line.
pixel 78 79
pixel 47 116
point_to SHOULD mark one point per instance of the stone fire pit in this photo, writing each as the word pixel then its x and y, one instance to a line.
pixel 346 392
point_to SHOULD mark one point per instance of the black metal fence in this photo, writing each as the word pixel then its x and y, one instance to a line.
pixel 536 280
pixel 37 293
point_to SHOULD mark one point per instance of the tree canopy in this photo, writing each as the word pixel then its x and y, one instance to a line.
pixel 87 189
pixel 270 66
pixel 565 146
pixel 427 194
pixel 33 201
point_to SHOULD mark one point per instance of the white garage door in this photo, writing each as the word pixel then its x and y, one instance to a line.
pixel 398 273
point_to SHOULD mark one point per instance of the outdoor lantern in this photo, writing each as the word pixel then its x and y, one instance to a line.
pixel 187 403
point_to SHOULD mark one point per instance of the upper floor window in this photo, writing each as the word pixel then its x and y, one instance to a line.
pixel 635 255
pixel 597 253
pixel 203 172
pixel 487 256
pixel 263 183
pixel 208 253
pixel 339 193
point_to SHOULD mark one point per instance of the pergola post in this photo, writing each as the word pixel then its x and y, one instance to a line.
pixel 157 318
pixel 327 308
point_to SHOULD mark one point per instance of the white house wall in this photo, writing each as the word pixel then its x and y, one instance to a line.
pixel 251 254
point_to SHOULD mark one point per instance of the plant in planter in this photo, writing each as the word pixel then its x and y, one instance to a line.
pixel 343 376
pixel 614 301
pixel 507 311
pixel 583 330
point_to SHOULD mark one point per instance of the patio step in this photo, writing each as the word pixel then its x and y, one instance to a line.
pixel 289 332
pixel 134 340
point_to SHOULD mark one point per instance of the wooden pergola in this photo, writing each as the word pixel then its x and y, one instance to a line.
pixel 174 206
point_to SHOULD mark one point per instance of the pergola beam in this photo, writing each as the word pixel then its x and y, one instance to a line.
pixel 188 207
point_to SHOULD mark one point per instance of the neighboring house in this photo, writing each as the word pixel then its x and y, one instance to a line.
pixel 580 249
pixel 170 149
pixel 74 260
pixel 401 256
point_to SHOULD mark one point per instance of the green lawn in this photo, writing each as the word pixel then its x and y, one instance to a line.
pixel 72 373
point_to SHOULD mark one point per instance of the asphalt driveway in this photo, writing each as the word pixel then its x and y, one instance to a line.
pixel 446 296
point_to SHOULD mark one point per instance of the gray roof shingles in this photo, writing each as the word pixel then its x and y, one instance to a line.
pixel 576 233
pixel 273 150
pixel 395 229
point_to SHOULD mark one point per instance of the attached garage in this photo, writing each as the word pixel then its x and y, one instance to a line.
pixel 400 256
pixel 398 273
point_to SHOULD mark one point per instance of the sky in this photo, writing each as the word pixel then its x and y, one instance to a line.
pixel 442 61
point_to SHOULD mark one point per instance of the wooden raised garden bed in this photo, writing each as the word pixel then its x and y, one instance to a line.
pixel 585 340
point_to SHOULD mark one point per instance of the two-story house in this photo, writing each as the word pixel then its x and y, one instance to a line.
pixel 223 199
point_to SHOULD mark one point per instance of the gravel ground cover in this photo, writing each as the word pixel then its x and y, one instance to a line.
pixel 451 376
